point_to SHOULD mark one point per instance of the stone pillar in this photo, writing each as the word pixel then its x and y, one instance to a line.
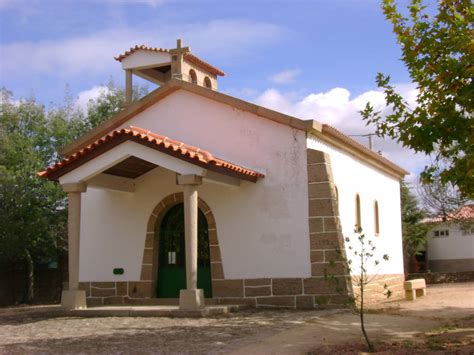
pixel 128 87
pixel 191 234
pixel 191 298
pixel 73 298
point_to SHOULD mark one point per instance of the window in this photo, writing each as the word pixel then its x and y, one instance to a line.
pixel 441 233
pixel 192 76
pixel 358 224
pixel 207 82
pixel 376 218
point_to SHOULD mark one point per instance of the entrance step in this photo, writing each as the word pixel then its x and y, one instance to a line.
pixel 165 302
pixel 154 311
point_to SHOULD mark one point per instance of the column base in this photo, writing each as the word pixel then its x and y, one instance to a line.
pixel 73 299
pixel 191 299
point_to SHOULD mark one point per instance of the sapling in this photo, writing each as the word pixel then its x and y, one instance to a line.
pixel 361 259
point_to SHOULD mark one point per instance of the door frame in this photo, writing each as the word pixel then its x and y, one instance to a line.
pixel 149 269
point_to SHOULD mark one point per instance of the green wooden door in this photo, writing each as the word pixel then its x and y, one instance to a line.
pixel 172 255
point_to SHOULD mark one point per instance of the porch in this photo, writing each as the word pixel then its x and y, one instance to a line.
pixel 115 163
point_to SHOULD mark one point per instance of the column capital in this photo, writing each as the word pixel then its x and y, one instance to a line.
pixel 188 179
pixel 75 187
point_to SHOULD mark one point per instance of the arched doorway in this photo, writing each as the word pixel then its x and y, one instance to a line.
pixel 171 275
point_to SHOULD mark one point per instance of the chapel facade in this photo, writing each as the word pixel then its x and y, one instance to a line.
pixel 190 196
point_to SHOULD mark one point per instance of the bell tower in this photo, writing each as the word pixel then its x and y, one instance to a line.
pixel 160 65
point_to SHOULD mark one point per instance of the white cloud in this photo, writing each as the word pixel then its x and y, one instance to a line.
pixel 285 76
pixel 84 97
pixel 93 53
pixel 337 108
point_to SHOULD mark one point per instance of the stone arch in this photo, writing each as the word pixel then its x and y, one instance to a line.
pixel 150 255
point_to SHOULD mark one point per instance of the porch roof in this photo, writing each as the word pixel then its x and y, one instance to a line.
pixel 175 148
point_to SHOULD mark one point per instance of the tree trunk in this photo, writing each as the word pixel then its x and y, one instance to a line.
pixel 363 280
pixel 362 320
pixel 30 269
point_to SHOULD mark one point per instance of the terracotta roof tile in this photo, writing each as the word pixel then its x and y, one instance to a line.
pixel 200 63
pixel 164 144
pixel 465 213
pixel 137 48
pixel 188 56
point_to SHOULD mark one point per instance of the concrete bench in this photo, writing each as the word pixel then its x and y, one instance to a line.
pixel 414 288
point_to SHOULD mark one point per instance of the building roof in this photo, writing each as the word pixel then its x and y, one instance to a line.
pixel 464 214
pixel 187 56
pixel 139 47
pixel 200 63
pixel 155 141
pixel 330 131
pixel 314 127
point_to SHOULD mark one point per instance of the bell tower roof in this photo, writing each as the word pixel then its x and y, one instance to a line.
pixel 159 65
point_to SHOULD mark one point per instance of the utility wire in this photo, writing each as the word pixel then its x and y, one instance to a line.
pixel 369 135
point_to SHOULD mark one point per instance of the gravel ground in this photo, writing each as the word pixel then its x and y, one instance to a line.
pixel 37 333
pixel 29 330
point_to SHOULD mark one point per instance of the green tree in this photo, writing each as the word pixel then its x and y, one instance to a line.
pixel 438 52
pixel 109 102
pixel 413 231
pixel 33 211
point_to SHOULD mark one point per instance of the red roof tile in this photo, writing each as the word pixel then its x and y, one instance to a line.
pixel 161 143
pixel 200 63
pixel 465 213
pixel 137 48
pixel 188 56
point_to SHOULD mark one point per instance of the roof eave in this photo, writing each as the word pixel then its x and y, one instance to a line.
pixel 309 126
pixel 172 86
pixel 338 139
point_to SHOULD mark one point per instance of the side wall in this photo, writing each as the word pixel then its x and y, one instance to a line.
pixel 351 177
pixel 453 253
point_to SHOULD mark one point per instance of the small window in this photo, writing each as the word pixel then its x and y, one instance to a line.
pixel 192 76
pixel 358 215
pixel 207 82
pixel 443 233
pixel 376 218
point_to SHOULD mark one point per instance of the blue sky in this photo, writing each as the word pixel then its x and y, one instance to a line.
pixel 314 59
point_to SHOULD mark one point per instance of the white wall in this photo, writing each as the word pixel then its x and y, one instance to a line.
pixel 352 177
pixel 458 245
pixel 262 228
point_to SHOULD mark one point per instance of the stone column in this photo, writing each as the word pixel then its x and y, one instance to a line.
pixel 190 233
pixel 73 298
pixel 191 298
pixel 128 87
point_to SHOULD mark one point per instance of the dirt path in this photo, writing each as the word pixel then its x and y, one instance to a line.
pixel 445 316
pixel 342 331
